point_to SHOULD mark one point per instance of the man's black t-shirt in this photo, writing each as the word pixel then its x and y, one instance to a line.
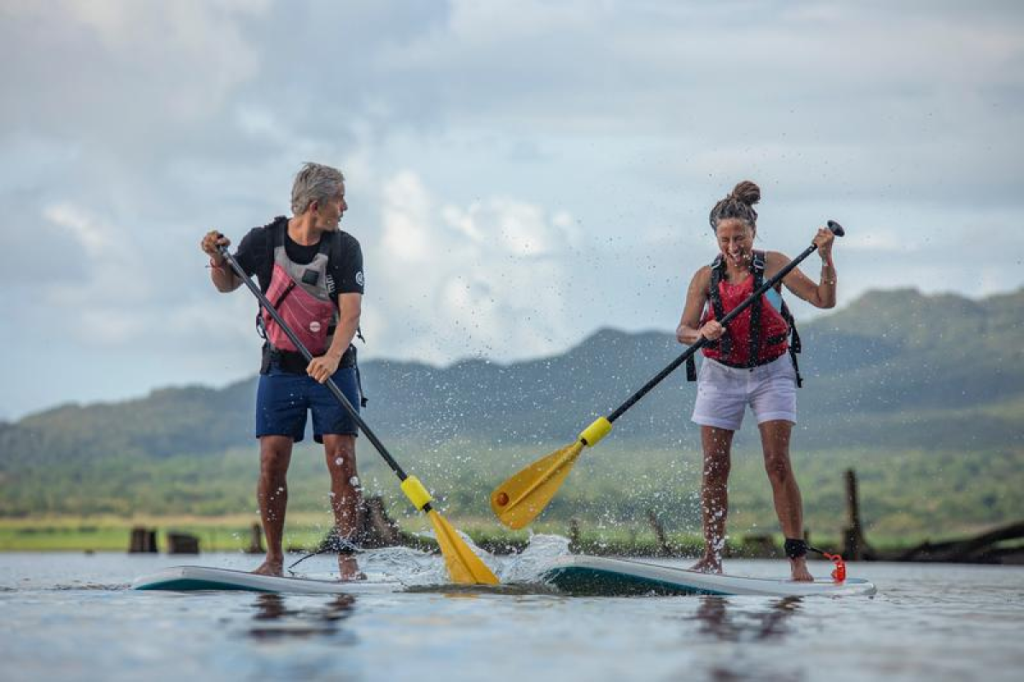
pixel 344 269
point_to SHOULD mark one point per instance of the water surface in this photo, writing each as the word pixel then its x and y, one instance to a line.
pixel 72 617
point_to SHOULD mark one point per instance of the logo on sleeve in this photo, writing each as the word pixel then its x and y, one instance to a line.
pixel 359 278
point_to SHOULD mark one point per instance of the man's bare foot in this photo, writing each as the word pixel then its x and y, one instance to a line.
pixel 348 569
pixel 800 572
pixel 274 567
pixel 708 564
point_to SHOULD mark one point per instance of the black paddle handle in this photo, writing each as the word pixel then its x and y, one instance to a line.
pixel 836 229
pixel 331 386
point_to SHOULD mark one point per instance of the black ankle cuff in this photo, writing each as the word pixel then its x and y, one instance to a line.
pixel 795 548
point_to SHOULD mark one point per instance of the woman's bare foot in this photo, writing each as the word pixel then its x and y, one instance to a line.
pixel 348 569
pixel 708 564
pixel 800 572
pixel 274 567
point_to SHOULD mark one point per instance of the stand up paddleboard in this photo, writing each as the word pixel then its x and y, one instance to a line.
pixel 596 576
pixel 194 578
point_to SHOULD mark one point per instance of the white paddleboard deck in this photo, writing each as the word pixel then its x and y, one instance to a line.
pixel 195 578
pixel 598 576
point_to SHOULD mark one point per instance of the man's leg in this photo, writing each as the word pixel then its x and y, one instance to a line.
pixel 785 491
pixel 272 496
pixel 345 496
pixel 714 492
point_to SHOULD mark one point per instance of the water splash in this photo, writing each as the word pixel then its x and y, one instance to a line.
pixel 528 566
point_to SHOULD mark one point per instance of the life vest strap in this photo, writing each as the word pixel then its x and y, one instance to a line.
pixel 724 344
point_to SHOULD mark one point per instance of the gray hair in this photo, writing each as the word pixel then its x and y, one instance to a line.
pixel 315 182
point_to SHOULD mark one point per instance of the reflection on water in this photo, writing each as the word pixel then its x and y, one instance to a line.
pixel 274 619
pixel 930 623
pixel 733 621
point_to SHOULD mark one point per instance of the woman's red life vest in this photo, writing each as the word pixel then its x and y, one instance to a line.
pixel 758 335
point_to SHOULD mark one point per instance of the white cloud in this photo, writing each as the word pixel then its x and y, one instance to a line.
pixel 406 214
pixel 453 281
pixel 520 173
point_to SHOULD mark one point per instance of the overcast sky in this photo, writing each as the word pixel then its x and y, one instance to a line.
pixel 520 173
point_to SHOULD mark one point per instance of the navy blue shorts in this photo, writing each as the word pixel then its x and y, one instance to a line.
pixel 282 400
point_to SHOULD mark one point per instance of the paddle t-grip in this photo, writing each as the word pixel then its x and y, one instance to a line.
pixel 836 228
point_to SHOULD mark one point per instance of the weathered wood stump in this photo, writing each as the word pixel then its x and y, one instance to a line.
pixel 255 540
pixel 142 540
pixel 855 546
pixel 182 543
pixel 759 546
pixel 983 548
pixel 574 535
pixel 375 529
pixel 664 549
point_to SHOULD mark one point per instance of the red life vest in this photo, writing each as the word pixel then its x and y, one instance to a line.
pixel 758 335
pixel 300 295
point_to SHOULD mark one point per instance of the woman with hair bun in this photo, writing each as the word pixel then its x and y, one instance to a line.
pixel 752 362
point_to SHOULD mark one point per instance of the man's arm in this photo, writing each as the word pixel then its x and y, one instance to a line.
pixel 350 308
pixel 223 277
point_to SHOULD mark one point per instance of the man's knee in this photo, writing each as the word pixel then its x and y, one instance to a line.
pixel 340 452
pixel 275 454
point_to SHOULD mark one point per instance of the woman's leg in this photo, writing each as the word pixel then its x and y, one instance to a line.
pixel 714 493
pixel 785 491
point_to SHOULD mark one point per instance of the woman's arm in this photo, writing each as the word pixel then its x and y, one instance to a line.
pixel 820 295
pixel 696 298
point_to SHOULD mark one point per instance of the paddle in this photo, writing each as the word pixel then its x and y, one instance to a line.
pixel 464 566
pixel 517 501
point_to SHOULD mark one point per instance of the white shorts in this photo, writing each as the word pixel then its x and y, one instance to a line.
pixel 723 393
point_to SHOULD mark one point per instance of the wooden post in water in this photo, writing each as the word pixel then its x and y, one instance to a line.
pixel 256 540
pixel 659 533
pixel 182 543
pixel 574 534
pixel 377 529
pixel 142 540
pixel 853 534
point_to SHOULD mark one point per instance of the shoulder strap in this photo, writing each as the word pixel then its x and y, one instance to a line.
pixel 335 246
pixel 715 294
pixel 715 297
pixel 275 230
pixel 794 342
pixel 327 245
pixel 757 271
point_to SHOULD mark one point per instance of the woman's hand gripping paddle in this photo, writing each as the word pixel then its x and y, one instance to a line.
pixel 464 566
pixel 519 500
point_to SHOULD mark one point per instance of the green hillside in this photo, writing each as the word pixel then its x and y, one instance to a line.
pixel 923 395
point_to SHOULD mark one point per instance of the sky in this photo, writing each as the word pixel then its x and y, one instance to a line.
pixel 519 173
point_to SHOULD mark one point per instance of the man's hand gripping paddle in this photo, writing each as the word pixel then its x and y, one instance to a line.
pixel 517 501
pixel 464 566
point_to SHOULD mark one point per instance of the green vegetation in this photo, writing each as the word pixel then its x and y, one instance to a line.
pixel 905 496
pixel 922 396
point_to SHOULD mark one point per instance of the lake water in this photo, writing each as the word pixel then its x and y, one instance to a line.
pixel 72 617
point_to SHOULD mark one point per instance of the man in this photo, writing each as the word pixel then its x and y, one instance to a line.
pixel 312 272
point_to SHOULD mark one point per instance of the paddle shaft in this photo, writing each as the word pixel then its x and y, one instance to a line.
pixel 836 229
pixel 331 386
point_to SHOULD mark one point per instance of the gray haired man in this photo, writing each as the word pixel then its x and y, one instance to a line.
pixel 312 272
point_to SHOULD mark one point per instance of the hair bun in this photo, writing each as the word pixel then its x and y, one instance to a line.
pixel 747 192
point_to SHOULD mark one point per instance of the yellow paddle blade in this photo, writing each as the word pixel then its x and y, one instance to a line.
pixel 521 498
pixel 464 566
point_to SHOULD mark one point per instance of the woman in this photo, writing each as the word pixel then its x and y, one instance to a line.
pixel 748 363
